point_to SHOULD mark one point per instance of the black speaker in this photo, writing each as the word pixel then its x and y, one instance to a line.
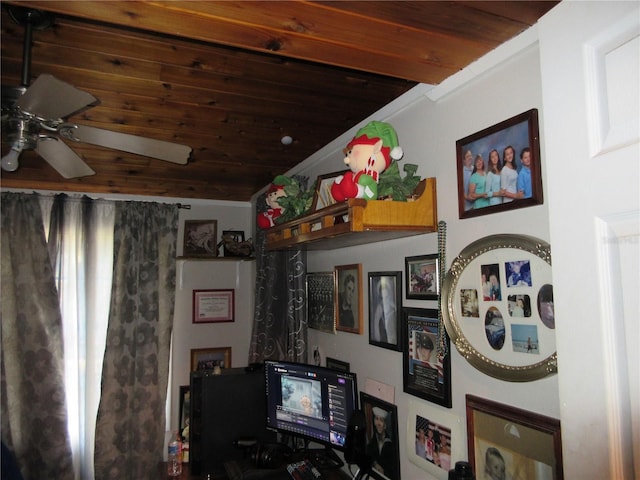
pixel 356 442
pixel 225 408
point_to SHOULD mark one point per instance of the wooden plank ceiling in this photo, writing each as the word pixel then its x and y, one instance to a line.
pixel 230 79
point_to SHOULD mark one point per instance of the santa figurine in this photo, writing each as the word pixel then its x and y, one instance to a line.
pixel 370 152
pixel 276 190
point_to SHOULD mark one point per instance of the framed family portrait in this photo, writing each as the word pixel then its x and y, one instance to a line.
pixel 321 305
pixel 348 296
pixel 497 305
pixel 426 356
pixel 212 306
pixel 205 359
pixel 385 301
pixel 422 277
pixel 519 443
pixel 200 238
pixel 435 439
pixel 382 441
pixel 499 167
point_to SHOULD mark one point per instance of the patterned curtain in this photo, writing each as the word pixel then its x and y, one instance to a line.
pixel 280 317
pixel 34 421
pixel 131 417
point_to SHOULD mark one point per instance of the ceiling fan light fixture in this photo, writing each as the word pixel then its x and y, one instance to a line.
pixel 10 161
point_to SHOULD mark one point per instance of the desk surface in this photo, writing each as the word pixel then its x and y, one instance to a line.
pixel 244 471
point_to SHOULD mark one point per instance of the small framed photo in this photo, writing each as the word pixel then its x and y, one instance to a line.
pixel 422 277
pixel 210 359
pixel 348 295
pixel 499 167
pixel 200 238
pixel 435 439
pixel 426 356
pixel 385 303
pixel 213 306
pixel 233 244
pixel 337 364
pixel 322 197
pixel 321 305
pixel 185 408
pixel 516 442
pixel 383 443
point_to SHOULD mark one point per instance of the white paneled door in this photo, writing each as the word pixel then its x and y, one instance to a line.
pixel 590 61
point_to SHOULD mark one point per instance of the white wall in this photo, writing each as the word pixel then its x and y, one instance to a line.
pixel 428 130
pixel 211 274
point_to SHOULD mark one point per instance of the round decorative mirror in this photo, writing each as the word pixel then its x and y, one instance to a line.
pixel 497 305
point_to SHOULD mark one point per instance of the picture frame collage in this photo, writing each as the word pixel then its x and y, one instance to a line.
pixel 335 304
pixel 502 277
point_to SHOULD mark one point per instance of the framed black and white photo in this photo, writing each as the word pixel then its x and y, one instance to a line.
pixel 321 306
pixel 348 296
pixel 499 167
pixel 382 440
pixel 426 358
pixel 422 277
pixel 385 303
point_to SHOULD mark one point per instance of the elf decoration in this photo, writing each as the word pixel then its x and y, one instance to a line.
pixel 370 152
pixel 276 190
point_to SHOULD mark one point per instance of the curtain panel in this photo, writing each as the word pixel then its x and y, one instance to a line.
pixel 34 414
pixel 280 316
pixel 131 417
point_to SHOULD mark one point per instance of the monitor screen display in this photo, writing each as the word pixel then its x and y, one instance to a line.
pixel 310 401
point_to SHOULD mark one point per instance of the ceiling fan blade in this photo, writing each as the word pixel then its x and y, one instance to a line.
pixel 51 98
pixel 167 151
pixel 62 158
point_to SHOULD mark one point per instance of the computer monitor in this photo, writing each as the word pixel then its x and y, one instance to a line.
pixel 311 402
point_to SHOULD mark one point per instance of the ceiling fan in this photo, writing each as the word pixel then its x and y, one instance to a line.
pixel 33 117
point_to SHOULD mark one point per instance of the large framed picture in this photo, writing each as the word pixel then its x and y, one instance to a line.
pixel 499 167
pixel 385 301
pixel 213 359
pixel 213 306
pixel 435 439
pixel 422 277
pixel 200 238
pixel 321 305
pixel 515 442
pixel 383 443
pixel 497 305
pixel 348 295
pixel 426 356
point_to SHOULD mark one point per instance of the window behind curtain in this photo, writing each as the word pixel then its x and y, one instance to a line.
pixel 83 266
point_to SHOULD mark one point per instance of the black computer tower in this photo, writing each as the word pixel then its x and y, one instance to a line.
pixel 225 408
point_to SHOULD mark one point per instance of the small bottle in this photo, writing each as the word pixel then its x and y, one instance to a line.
pixel 462 471
pixel 174 458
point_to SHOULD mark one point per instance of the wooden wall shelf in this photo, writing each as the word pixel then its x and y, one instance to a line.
pixel 358 221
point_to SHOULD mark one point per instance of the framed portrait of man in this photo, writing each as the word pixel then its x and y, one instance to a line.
pixel 348 295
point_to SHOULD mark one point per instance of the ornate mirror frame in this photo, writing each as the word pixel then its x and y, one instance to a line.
pixel 510 333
